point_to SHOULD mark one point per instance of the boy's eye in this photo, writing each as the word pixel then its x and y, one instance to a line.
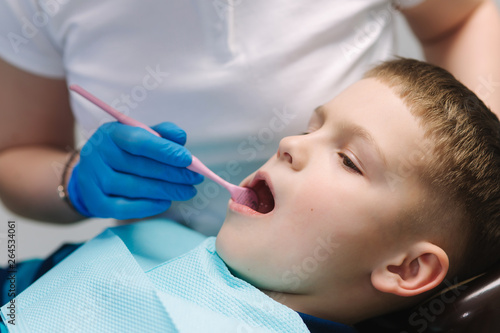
pixel 349 163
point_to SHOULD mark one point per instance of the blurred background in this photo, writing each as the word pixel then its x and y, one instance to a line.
pixel 38 240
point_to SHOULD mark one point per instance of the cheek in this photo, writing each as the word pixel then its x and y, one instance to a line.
pixel 344 211
pixel 324 200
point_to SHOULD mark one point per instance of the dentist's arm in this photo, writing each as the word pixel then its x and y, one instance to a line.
pixel 36 127
pixel 462 36
pixel 122 171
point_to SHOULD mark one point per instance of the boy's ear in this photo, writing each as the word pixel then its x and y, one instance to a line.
pixel 420 268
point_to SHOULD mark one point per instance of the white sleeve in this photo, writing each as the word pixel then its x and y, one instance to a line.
pixel 404 4
pixel 24 41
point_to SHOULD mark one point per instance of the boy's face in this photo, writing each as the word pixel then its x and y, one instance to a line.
pixel 340 194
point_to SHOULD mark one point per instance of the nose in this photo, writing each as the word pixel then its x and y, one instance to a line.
pixel 293 151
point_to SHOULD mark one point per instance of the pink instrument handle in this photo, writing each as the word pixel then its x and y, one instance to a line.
pixel 196 165
pixel 110 110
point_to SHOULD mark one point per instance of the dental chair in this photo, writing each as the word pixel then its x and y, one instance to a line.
pixel 471 306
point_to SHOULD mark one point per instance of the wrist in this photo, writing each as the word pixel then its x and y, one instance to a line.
pixel 67 171
pixel 73 194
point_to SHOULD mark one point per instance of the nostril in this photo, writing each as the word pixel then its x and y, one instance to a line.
pixel 287 157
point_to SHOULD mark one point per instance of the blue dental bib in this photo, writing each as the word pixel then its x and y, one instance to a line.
pixel 119 282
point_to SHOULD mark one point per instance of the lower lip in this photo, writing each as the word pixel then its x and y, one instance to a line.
pixel 242 209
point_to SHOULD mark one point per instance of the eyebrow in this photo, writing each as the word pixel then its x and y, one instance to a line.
pixel 358 131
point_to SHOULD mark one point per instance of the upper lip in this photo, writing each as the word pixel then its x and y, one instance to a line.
pixel 261 175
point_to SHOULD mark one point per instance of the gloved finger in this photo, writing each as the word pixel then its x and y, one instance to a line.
pixel 171 131
pixel 145 167
pixel 136 208
pixel 126 208
pixel 105 206
pixel 138 141
pixel 131 186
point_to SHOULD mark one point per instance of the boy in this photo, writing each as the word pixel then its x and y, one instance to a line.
pixel 391 191
pixel 388 171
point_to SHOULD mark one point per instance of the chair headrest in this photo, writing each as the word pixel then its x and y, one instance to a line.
pixel 470 306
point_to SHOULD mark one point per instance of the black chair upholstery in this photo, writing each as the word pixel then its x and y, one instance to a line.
pixel 471 306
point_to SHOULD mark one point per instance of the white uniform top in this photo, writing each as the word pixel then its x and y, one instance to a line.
pixel 237 75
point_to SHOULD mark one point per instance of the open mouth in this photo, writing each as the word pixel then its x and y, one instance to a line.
pixel 266 198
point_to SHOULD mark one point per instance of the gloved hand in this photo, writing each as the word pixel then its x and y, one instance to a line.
pixel 126 172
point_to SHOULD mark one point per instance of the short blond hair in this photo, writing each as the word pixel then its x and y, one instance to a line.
pixel 465 158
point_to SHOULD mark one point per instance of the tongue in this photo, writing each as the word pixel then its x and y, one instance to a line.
pixel 266 199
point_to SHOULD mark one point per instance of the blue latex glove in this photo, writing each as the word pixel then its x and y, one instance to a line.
pixel 126 172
